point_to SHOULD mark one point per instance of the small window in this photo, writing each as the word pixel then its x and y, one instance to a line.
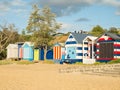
pixel 71 37
pixel 79 48
pixel 86 48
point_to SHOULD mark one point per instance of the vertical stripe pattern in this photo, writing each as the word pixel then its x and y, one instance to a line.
pixel 57 52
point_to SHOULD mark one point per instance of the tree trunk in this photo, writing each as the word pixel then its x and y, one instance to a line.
pixel 45 52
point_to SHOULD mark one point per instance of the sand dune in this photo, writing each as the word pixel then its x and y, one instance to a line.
pixel 47 77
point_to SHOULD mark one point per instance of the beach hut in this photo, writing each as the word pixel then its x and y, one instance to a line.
pixel 89 53
pixel 20 50
pixel 58 52
pixel 36 54
pixel 12 51
pixel 108 47
pixel 28 52
pixel 49 55
pixel 39 54
pixel 77 47
pixel 20 53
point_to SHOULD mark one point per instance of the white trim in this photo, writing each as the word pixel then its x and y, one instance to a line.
pixel 89 61
pixel 68 38
pixel 78 51
pixel 97 50
pixel 78 57
pixel 118 57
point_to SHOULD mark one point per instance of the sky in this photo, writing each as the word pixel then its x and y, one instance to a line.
pixel 74 15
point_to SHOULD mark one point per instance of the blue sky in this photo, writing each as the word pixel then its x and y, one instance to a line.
pixel 73 14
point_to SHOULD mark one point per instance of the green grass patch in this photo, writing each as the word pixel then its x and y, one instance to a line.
pixel 79 63
pixel 96 63
pixel 114 61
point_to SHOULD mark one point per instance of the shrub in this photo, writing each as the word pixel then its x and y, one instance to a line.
pixel 3 55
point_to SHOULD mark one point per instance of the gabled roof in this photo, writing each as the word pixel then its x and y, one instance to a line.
pixel 114 36
pixel 12 46
pixel 80 36
pixel 28 43
pixel 59 44
pixel 92 38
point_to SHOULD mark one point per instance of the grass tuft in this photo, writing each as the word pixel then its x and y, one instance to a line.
pixel 5 62
pixel 114 61
pixel 79 63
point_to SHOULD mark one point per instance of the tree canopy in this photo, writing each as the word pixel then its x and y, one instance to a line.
pixel 8 34
pixel 97 31
pixel 113 30
pixel 42 25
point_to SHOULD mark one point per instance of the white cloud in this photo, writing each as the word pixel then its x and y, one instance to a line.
pixel 18 3
pixel 19 10
pixel 118 12
pixel 66 27
pixel 67 7
pixel 69 27
pixel 4 7
pixel 60 7
pixel 7 5
pixel 115 3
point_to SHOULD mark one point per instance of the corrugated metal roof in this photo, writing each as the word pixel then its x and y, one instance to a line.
pixel 80 36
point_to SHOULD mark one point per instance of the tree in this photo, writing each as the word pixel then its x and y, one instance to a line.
pixel 24 37
pixel 23 32
pixel 8 34
pixel 97 31
pixel 118 30
pixel 42 25
pixel 113 30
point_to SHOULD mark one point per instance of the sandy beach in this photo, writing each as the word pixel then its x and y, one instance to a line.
pixel 47 77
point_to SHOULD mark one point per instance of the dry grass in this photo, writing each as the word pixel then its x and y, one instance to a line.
pixel 60 39
pixel 5 62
